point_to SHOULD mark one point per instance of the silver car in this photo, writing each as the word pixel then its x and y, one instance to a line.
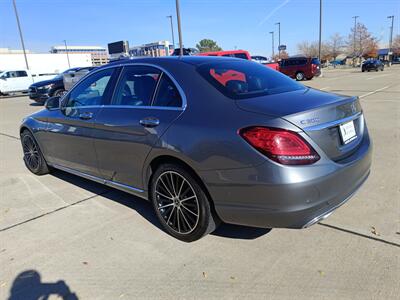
pixel 206 140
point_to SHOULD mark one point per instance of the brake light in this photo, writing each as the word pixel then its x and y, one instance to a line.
pixel 283 146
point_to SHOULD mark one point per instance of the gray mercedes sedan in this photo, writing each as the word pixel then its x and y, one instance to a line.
pixel 206 140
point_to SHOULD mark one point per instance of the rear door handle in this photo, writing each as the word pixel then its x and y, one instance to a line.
pixel 149 122
pixel 86 115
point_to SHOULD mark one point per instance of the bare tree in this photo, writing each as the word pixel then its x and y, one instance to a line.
pixel 366 44
pixel 283 55
pixel 335 46
pixel 309 49
pixel 396 44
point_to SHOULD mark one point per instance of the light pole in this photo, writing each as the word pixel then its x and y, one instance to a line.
pixel 279 38
pixel 355 30
pixel 391 35
pixel 178 17
pixel 320 30
pixel 273 53
pixel 20 34
pixel 354 42
pixel 172 30
pixel 66 51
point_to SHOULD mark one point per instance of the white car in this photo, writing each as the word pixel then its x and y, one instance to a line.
pixel 12 81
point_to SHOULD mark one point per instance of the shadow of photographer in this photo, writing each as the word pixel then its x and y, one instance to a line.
pixel 28 286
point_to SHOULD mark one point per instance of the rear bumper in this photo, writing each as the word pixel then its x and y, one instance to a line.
pixel 274 196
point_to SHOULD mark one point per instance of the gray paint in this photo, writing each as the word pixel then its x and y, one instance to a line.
pixel 245 186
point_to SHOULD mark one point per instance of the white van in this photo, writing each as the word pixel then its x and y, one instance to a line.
pixel 19 80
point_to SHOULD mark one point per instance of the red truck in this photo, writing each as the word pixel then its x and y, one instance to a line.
pixel 238 54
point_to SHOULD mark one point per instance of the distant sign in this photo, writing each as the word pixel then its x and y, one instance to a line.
pixel 282 47
pixel 116 47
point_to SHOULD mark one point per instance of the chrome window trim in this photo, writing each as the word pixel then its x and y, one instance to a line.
pixel 332 123
pixel 180 90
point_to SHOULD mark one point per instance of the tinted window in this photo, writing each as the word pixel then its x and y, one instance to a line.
pixel 240 55
pixel 243 79
pixel 136 86
pixel 167 93
pixel 91 90
pixel 22 74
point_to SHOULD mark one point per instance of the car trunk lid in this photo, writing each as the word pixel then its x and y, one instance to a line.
pixel 319 114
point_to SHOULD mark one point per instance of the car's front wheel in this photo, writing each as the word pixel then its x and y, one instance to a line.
pixel 300 76
pixel 33 157
pixel 181 203
pixel 59 93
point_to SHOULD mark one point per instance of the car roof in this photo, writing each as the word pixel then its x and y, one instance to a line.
pixel 193 60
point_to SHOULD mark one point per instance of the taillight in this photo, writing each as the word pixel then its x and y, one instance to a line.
pixel 283 146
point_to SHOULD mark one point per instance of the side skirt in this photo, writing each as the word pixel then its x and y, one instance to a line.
pixel 119 186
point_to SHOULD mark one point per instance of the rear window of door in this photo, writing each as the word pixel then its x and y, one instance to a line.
pixel 91 90
pixel 136 86
pixel 22 74
pixel 167 94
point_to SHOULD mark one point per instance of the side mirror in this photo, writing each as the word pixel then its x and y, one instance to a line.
pixel 52 103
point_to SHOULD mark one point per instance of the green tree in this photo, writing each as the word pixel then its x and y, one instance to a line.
pixel 207 45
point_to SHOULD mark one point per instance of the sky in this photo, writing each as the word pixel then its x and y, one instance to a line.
pixel 241 24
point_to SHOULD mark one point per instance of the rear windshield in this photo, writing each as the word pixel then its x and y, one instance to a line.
pixel 246 79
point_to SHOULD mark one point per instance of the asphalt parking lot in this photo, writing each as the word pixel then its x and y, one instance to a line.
pixel 63 234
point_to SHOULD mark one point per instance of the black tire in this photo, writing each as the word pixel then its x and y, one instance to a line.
pixel 362 70
pixel 300 76
pixel 33 157
pixel 59 93
pixel 185 211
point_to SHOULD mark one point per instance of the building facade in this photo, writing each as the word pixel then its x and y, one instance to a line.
pixel 98 54
pixel 156 49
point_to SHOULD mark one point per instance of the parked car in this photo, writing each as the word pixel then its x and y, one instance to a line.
pixel 259 59
pixel 186 51
pixel 372 64
pixel 12 81
pixel 300 68
pixel 243 54
pixel 42 90
pixel 259 149
pixel 231 53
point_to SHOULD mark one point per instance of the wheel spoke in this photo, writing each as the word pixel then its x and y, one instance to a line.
pixel 162 195
pixel 189 210
pixel 180 189
pixel 172 211
pixel 166 188
pixel 177 218
pixel 172 183
pixel 184 218
pixel 166 205
pixel 186 199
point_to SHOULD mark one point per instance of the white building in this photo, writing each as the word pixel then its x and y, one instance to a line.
pixel 98 54
pixel 43 62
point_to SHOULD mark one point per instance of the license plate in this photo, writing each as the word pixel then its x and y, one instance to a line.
pixel 348 132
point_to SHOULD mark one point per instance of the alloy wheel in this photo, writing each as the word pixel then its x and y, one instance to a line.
pixel 177 202
pixel 31 152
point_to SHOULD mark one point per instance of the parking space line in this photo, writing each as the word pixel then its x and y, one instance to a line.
pixel 360 234
pixel 10 136
pixel 378 76
pixel 53 211
pixel 373 92
pixel 324 88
